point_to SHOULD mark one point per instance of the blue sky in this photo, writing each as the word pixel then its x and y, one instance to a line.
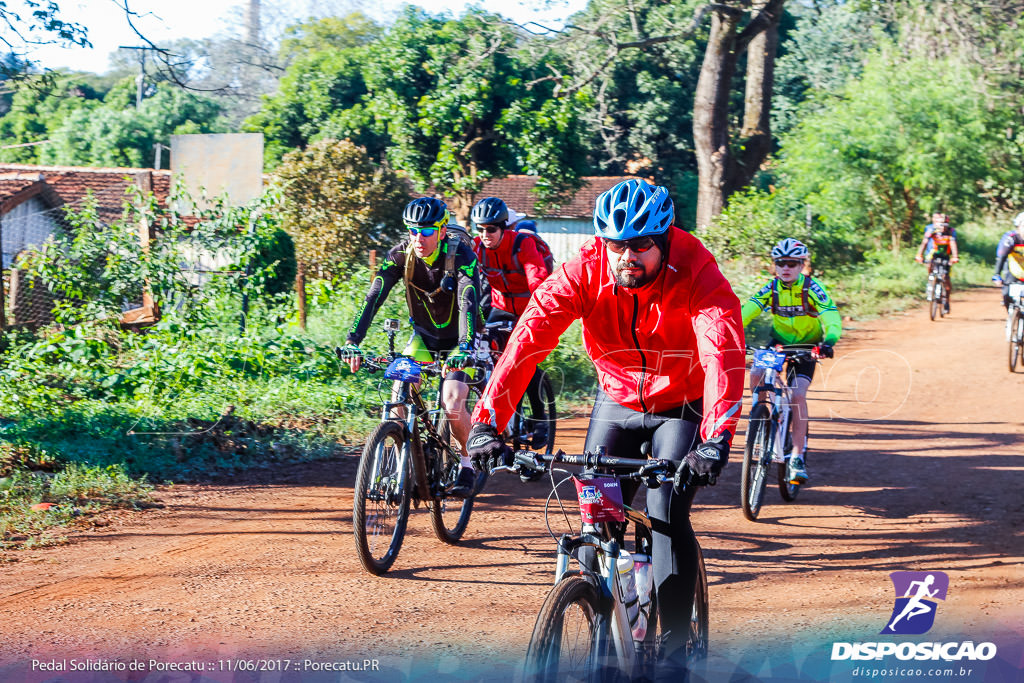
pixel 169 19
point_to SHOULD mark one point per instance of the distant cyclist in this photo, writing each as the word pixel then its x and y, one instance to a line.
pixel 514 266
pixel 1010 258
pixel 440 274
pixel 939 242
pixel 802 313
pixel 663 328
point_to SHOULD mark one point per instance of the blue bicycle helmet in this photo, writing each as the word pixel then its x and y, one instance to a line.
pixel 633 208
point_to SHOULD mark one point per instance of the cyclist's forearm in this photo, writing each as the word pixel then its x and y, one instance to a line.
pixel 832 326
pixel 378 292
pixel 469 310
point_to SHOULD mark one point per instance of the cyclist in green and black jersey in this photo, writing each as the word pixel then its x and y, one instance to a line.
pixel 442 292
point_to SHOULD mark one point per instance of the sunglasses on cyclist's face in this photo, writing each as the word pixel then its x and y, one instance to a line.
pixel 787 263
pixel 637 245
pixel 489 229
pixel 423 231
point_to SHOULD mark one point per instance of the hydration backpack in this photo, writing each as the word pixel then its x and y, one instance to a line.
pixel 524 232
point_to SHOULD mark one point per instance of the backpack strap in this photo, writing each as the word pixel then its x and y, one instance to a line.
pixel 806 298
pixel 451 245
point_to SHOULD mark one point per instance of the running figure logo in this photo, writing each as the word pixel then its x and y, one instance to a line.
pixel 917 594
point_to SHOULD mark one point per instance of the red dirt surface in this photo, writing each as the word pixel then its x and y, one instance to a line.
pixel 915 465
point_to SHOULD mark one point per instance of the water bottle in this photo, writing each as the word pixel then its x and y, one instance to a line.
pixel 644 588
pixel 627 585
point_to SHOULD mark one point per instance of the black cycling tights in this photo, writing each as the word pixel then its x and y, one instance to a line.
pixel 674 554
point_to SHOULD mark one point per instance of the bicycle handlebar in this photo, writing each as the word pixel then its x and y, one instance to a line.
pixel 375 363
pixel 811 352
pixel 643 469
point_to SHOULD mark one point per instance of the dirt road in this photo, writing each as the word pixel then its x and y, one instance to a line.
pixel 916 464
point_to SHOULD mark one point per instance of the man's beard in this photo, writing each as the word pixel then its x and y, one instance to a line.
pixel 632 281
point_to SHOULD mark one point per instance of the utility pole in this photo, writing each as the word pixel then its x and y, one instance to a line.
pixel 140 80
pixel 253 23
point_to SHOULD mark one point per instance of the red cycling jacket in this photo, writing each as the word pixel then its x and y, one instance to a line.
pixel 677 339
pixel 510 289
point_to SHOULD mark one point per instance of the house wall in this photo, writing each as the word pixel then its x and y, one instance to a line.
pixel 565 236
pixel 27 225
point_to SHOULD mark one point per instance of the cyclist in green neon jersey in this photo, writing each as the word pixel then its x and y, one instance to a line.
pixel 442 292
pixel 802 313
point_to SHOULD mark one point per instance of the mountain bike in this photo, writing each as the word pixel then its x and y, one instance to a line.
pixel 409 458
pixel 1015 324
pixel 589 627
pixel 937 293
pixel 769 430
pixel 529 428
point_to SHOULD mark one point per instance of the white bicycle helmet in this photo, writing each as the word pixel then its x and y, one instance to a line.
pixel 1018 220
pixel 790 248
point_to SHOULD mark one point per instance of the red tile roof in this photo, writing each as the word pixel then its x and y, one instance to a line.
pixel 515 190
pixel 16 188
pixel 107 185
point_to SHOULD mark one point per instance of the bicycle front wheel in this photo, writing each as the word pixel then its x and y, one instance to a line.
pixel 755 461
pixel 449 516
pixel 697 638
pixel 935 302
pixel 380 509
pixel 945 301
pixel 566 643
pixel 1016 339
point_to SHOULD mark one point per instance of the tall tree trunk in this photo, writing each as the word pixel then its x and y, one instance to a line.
pixel 711 113
pixel 757 103
pixel 720 173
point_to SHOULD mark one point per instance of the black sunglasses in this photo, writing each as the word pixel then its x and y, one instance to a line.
pixel 489 229
pixel 637 245
pixel 787 263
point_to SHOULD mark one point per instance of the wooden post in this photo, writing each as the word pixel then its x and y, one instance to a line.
pixel 300 290
pixel 373 260
pixel 3 300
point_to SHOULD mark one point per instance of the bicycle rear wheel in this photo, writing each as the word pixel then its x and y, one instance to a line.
pixel 755 460
pixel 449 516
pixel 789 490
pixel 566 643
pixel 380 509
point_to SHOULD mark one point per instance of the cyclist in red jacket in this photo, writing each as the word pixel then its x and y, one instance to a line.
pixel 513 267
pixel 663 327
pixel 512 264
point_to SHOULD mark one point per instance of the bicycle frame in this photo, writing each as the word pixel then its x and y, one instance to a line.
pixel 417 417
pixel 600 566
pixel 781 405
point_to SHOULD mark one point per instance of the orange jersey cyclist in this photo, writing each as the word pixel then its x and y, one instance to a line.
pixel 802 313
pixel 663 328
pixel 939 243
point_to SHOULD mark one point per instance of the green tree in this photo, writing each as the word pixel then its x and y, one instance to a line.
pixel 337 204
pixel 908 137
pixel 115 133
pixel 461 101
pixel 40 106
pixel 320 96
